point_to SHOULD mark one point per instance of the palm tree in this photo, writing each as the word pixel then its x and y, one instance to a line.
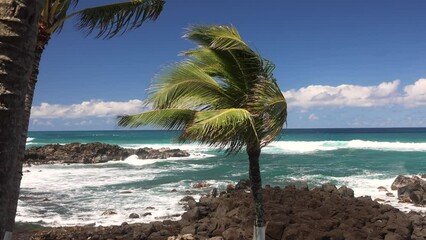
pixel 107 20
pixel 224 95
pixel 18 24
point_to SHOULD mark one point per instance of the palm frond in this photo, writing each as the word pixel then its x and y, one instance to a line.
pixel 186 84
pixel 164 118
pixel 239 62
pixel 53 14
pixel 270 108
pixel 227 128
pixel 217 37
pixel 110 20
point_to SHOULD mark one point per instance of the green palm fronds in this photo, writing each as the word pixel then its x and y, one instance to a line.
pixel 224 94
pixel 171 118
pixel 107 20
pixel 228 128
pixel 110 20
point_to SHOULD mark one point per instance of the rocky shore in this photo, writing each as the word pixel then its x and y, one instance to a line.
pixel 93 153
pixel 291 213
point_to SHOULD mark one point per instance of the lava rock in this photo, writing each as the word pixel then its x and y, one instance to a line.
pixel 93 153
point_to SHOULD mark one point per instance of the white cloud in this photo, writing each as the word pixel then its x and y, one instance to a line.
pixel 92 108
pixel 80 123
pixel 384 94
pixel 47 123
pixel 415 94
pixel 313 117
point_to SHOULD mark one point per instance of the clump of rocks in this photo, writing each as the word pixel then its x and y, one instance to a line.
pixel 325 212
pixel 411 189
pixel 93 153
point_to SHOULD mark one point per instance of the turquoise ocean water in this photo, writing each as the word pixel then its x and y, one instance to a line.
pixel 363 159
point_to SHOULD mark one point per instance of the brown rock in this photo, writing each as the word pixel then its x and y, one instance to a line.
pixel 134 215
pixel 201 185
pixel 346 192
pixel 275 230
pixel 232 233
pixel 108 212
pixel 390 194
pixel 188 230
pixel 402 181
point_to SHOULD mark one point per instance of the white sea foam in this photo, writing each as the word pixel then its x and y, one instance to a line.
pixel 64 195
pixel 368 186
pixel 134 160
pixel 29 139
pixel 315 146
pixel 49 189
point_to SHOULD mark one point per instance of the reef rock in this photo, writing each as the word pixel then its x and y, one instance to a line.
pixel 291 213
pixel 93 153
pixel 410 189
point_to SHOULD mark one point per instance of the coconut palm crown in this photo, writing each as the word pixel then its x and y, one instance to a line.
pixel 225 95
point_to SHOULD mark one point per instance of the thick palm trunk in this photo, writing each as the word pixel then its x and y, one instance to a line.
pixel 256 189
pixel 18 35
pixel 42 40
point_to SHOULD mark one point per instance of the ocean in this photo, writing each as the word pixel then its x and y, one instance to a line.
pixel 63 195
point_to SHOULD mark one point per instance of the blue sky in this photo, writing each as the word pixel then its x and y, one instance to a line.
pixel 342 63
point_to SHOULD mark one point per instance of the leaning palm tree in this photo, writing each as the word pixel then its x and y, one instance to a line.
pixel 224 95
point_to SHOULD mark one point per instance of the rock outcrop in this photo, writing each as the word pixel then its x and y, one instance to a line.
pixel 93 153
pixel 410 189
pixel 291 213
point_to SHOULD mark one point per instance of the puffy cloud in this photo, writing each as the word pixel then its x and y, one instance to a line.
pixel 415 94
pixel 346 95
pixel 92 108
pixel 342 95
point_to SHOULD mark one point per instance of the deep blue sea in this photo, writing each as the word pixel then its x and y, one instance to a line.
pixel 363 159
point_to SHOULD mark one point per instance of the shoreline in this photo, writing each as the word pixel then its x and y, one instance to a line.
pixel 174 210
pixel 293 211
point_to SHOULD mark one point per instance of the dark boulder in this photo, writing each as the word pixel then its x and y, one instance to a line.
pixel 402 181
pixel 134 215
pixel 411 189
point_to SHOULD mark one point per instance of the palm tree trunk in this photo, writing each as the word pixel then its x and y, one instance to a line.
pixel 42 39
pixel 256 189
pixel 18 35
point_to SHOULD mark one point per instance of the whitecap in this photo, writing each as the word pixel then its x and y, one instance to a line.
pixel 315 146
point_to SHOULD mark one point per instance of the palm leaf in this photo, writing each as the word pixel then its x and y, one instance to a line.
pixel 110 20
pixel 241 65
pixel 165 118
pixel 53 14
pixel 217 37
pixel 270 108
pixel 227 128
pixel 186 84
